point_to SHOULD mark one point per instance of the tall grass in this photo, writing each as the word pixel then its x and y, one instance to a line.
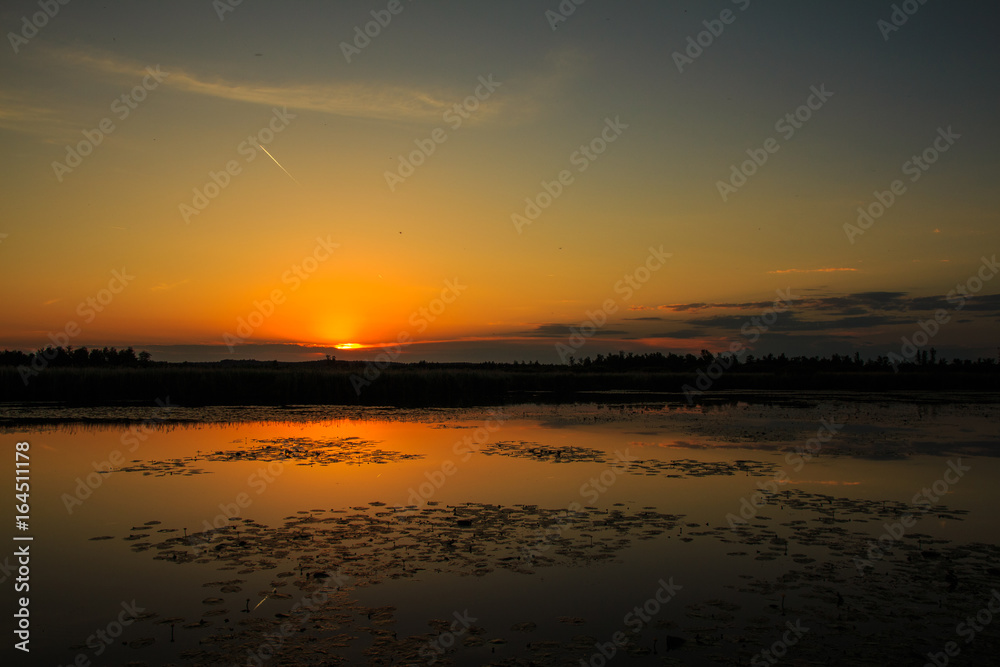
pixel 421 385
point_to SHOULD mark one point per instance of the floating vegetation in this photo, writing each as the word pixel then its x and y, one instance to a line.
pixel 533 450
pixel 809 548
pixel 471 539
pixel 552 584
pixel 302 451
pixel 671 468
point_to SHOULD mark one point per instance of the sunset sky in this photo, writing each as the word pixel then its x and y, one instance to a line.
pixel 328 240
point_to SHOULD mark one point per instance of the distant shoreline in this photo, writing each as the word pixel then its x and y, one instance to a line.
pixel 253 383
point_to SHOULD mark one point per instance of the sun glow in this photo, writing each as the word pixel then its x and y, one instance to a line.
pixel 348 346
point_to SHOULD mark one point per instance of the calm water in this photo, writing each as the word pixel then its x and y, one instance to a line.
pixel 639 534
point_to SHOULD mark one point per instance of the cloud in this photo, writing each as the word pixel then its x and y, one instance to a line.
pixel 164 287
pixel 861 301
pixel 983 303
pixel 846 314
pixel 21 114
pixel 828 270
pixel 884 300
pixel 379 100
pixel 679 334
pixel 361 100
pixel 792 321
pixel 563 331
pixel 694 307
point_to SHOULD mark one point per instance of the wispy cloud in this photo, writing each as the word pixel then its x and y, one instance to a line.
pixel 695 307
pixel 557 330
pixel 848 304
pixel 164 287
pixel 22 114
pixel 827 270
pixel 847 313
pixel 379 100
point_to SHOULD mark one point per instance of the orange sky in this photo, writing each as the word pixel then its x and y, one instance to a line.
pixel 496 108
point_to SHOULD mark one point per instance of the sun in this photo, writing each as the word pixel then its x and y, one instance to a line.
pixel 348 346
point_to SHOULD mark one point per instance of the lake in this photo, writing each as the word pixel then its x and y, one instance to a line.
pixel 793 528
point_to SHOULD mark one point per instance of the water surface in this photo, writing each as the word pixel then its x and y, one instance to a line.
pixel 647 533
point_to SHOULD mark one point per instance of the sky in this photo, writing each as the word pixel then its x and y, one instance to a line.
pixel 471 181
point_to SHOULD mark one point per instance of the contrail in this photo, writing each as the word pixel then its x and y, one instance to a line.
pixel 279 164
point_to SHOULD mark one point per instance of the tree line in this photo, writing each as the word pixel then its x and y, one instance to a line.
pixel 78 357
pixel 110 357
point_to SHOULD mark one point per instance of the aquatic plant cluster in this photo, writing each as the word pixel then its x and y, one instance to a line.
pixel 793 587
pixel 302 451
